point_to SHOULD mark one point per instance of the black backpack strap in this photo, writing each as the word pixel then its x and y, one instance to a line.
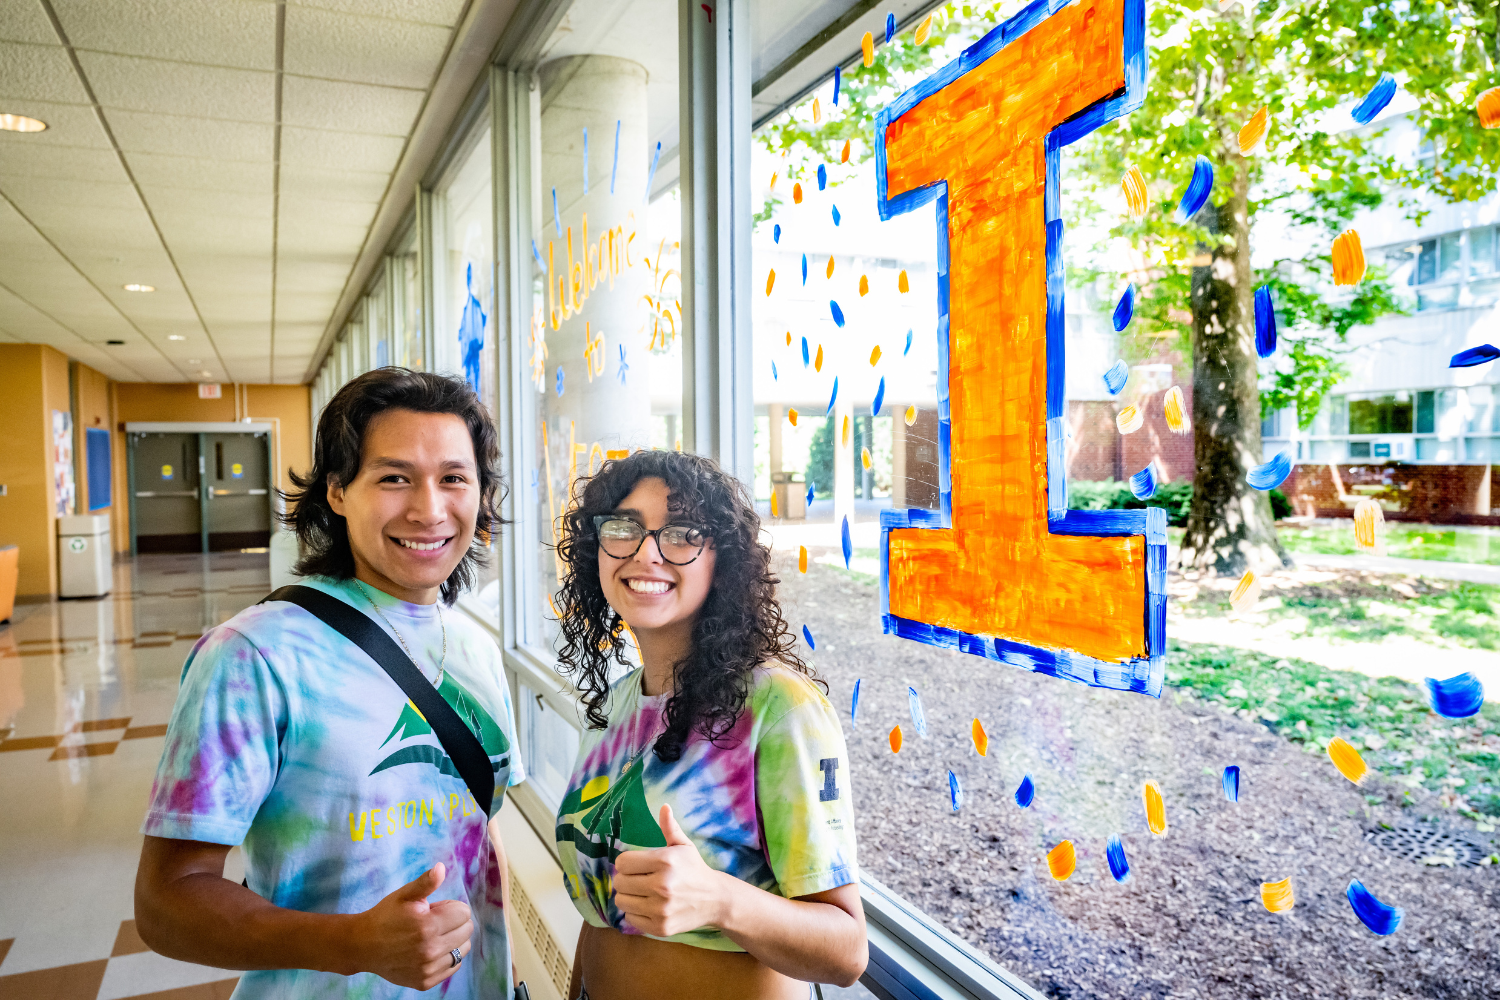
pixel 463 747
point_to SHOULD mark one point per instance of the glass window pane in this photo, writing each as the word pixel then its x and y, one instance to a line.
pixel 406 296
pixel 1426 263
pixel 378 316
pixel 1482 259
pixel 1425 417
pixel 1384 414
pixel 1450 256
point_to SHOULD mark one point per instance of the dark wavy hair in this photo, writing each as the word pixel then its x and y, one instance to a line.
pixel 739 626
pixel 323 534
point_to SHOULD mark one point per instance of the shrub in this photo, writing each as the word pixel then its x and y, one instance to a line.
pixel 1174 498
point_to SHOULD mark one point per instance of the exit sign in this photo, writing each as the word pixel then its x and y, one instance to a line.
pixel 210 390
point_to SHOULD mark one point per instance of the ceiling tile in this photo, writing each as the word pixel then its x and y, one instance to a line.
pixel 208 203
pixel 67 125
pixel 39 72
pixel 443 12
pixel 37 196
pixel 298 212
pixel 311 275
pixel 309 239
pixel 195 173
pixel 349 107
pixel 218 140
pixel 190 235
pixel 240 33
pixel 26 22
pixel 370 153
pixel 362 49
pixel 60 162
pixel 175 88
pixel 301 180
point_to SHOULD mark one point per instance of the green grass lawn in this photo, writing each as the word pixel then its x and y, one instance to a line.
pixel 1418 541
pixel 1386 719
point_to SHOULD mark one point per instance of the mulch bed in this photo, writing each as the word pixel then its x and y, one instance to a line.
pixel 1189 922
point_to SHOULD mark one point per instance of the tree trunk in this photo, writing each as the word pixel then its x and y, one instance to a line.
pixel 1230 527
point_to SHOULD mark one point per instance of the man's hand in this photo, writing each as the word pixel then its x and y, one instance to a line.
pixel 408 941
pixel 669 890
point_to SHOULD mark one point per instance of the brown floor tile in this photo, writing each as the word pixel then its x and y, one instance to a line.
pixel 30 743
pixel 142 732
pixel 65 982
pixel 127 941
pixel 155 635
pixel 87 750
pixel 5 948
pixel 99 725
pixel 150 645
pixel 203 991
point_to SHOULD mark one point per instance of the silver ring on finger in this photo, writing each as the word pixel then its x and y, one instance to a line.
pixel 457 958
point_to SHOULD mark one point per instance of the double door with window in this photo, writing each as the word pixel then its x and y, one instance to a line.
pixel 199 491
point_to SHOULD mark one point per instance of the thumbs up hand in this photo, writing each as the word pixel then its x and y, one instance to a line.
pixel 409 941
pixel 669 890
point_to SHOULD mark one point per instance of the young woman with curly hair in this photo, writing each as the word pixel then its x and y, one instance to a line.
pixel 707 836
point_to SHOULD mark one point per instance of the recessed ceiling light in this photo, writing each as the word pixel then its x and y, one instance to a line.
pixel 20 123
pixel 175 336
pixel 206 374
pixel 139 288
pixel 195 361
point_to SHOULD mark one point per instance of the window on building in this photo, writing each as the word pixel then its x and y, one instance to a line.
pixel 377 320
pixel 406 304
pixel 1270 425
pixel 1482 250
pixel 1425 414
pixel 1389 413
pixel 1338 415
pixel 1450 260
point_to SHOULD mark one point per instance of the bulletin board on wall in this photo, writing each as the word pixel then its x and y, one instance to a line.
pixel 100 481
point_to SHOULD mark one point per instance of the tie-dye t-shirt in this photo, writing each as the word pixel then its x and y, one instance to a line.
pixel 770 803
pixel 288 739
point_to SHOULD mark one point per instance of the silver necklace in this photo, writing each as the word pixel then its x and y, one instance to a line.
pixel 392 627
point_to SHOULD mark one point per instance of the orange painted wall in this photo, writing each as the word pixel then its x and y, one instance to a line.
pixel 36 383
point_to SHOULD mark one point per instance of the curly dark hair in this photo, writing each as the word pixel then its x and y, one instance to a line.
pixel 323 534
pixel 739 626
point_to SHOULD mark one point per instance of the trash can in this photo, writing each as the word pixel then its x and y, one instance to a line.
pixel 85 557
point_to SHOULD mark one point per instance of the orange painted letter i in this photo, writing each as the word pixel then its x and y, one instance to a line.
pixel 1004 570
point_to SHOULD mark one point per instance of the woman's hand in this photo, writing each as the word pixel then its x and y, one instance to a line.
pixel 669 890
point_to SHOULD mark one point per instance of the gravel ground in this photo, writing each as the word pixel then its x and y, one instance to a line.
pixel 1189 922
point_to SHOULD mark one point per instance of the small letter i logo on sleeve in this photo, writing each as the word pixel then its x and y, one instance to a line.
pixel 830 790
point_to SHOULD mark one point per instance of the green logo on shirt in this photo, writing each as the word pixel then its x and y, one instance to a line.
pixel 410 724
pixel 619 819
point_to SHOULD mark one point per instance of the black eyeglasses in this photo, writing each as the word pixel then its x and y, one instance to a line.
pixel 622 538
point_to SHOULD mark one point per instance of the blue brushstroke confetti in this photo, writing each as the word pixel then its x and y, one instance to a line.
pixel 1375 101
pixel 1272 474
pixel 585 161
pixel 918 717
pixel 1119 865
pixel 537 255
pixel 1143 483
pixel 879 398
pixel 625 365
pixel 1265 322
pixel 836 215
pixel 854 704
pixel 955 791
pixel 1025 792
pixel 1125 308
pixel 556 215
pixel 651 174
pixel 808 636
pixel 1232 782
pixel 1198 189
pixel 833 396
pixel 806 358
pixel 838 314
pixel 1379 917
pixel 1482 354
pixel 1115 378
pixel 907 349
pixel 776 233
pixel 890 27
pixel 846 542
pixel 822 177
pixel 804 269
pixel 1458 697
pixel 559 380
pixel 811 488
pixel 774 376
pixel 614 167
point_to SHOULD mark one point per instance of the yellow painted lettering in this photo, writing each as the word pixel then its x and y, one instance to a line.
pixel 424 815
pixel 452 805
pixel 391 822
pixel 358 832
pixel 551 302
pixel 409 814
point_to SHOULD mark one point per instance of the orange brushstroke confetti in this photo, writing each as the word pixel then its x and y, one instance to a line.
pixel 818 361
pixel 772 185
pixel 911 415
pixel 867 46
pixel 1130 419
pixel 1061 859
pixel 829 272
pixel 1137 200
pixel 775 507
pixel 1246 593
pixel 895 738
pixel 844 154
pixel 797 193
pixel 844 437
pixel 1347 759
pixel 1488 108
pixel 1175 408
pixel 817 111
pixel 1156 809
pixel 1348 259
pixel 903 284
pixel 770 281
pixel 864 285
pixel 864 457
pixel 875 356
pixel 791 414
pixel 981 738
pixel 1278 896
pixel 789 338
pixel 1369 526
pixel 1253 135
pixel 924 30
pixel 802 559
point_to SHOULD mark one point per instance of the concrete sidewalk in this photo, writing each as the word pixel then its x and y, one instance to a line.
pixel 1433 568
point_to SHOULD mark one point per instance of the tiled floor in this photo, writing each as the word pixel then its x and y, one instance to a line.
pixel 86 688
